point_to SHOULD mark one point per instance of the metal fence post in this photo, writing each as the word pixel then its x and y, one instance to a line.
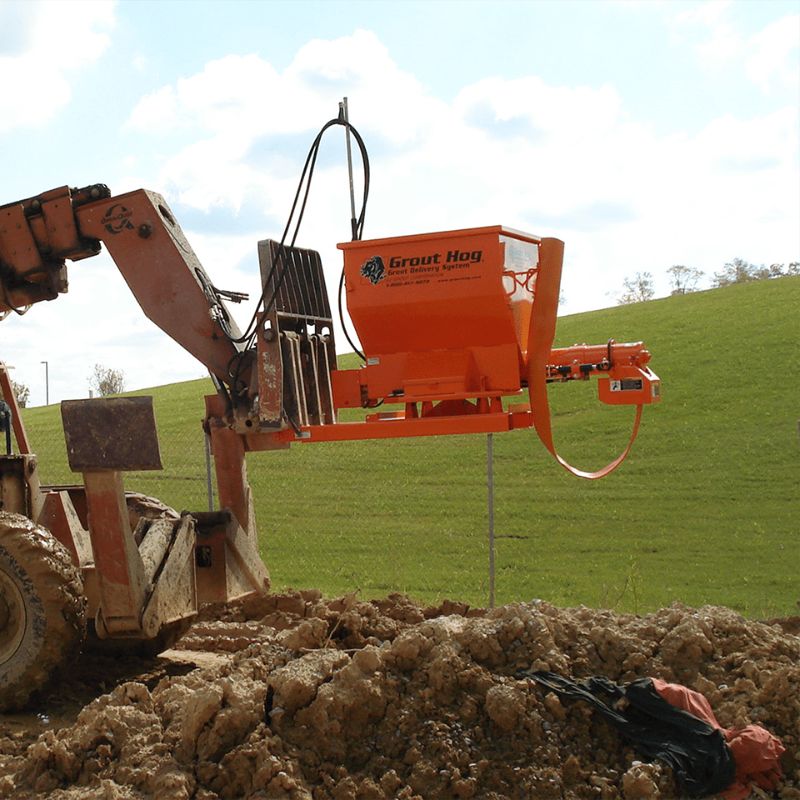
pixel 490 503
pixel 209 484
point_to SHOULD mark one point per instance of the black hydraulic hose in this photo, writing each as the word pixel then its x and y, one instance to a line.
pixel 248 337
pixel 341 320
pixel 306 176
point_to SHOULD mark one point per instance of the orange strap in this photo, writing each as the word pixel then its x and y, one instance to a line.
pixel 540 340
pixel 541 421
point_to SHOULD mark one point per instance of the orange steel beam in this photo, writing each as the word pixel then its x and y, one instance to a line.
pixel 229 461
pixel 393 428
pixel 148 247
pixel 119 567
pixel 8 394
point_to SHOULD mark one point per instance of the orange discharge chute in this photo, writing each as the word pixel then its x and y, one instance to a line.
pixel 452 322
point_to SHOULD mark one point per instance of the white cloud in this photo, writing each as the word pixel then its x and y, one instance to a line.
pixel 767 58
pixel 41 44
pixel 140 62
pixel 720 41
pixel 558 160
pixel 231 87
pixel 772 55
pixel 566 161
pixel 239 102
pixel 262 101
pixel 158 108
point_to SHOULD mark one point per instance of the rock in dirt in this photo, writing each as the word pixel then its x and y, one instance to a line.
pixel 302 697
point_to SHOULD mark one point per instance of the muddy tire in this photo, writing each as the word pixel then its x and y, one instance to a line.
pixel 42 608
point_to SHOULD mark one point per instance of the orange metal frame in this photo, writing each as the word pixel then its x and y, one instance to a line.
pixel 451 323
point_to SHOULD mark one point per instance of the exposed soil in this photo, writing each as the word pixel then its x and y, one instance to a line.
pixel 294 696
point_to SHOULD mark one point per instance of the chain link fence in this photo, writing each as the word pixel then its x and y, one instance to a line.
pixel 413 515
pixel 183 483
pixel 372 517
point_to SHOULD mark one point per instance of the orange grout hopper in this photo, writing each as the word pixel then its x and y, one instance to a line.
pixel 440 316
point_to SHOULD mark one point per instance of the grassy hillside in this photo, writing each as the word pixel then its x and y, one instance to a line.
pixel 705 510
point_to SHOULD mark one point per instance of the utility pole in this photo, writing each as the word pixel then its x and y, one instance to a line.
pixel 46 383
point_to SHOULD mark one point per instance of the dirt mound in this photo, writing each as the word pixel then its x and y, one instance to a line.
pixel 298 697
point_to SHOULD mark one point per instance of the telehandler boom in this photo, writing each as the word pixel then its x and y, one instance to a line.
pixel 450 323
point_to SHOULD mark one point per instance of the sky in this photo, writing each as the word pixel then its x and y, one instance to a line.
pixel 643 134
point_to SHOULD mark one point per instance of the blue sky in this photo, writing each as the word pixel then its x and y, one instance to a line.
pixel 643 134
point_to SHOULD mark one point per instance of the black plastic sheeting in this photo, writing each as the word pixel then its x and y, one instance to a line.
pixel 697 752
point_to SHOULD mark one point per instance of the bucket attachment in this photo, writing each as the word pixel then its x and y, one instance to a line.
pixel 104 437
pixel 146 579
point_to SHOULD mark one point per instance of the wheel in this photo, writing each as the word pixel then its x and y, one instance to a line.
pixel 42 608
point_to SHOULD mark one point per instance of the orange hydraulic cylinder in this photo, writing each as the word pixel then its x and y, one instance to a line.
pixel 613 353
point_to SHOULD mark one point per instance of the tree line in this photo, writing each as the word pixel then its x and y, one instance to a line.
pixel 103 381
pixel 683 279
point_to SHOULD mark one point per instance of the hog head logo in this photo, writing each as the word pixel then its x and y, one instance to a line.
pixel 373 270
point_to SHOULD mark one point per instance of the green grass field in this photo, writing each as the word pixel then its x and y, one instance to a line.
pixel 706 509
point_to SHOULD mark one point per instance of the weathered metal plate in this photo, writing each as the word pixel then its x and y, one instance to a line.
pixel 111 433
